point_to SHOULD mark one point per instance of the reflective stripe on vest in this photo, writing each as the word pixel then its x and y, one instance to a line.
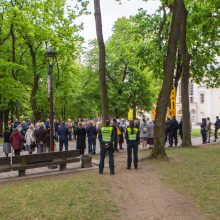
pixel 106 134
pixel 132 136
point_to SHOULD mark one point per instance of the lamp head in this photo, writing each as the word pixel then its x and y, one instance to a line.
pixel 50 55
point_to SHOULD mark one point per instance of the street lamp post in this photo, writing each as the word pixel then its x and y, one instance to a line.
pixel 51 58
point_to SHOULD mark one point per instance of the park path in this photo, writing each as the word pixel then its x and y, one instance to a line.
pixel 142 195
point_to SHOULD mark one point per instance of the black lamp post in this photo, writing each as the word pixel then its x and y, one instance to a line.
pixel 51 58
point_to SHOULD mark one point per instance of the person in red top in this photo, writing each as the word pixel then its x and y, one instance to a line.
pixel 15 140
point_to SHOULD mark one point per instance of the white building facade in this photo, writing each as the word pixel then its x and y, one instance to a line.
pixel 204 102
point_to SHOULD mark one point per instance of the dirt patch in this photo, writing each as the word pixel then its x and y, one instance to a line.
pixel 142 195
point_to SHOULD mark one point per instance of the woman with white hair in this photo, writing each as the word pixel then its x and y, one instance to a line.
pixel 150 134
pixel 30 139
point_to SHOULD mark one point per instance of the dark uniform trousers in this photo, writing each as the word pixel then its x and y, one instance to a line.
pixel 132 145
pixel 103 151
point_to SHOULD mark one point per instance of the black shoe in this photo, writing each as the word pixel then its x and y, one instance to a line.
pixel 121 148
pixel 128 168
pixel 112 173
pixel 136 167
pixel 100 172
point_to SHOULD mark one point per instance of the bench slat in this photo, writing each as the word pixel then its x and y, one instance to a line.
pixel 37 165
pixel 4 161
pixel 45 157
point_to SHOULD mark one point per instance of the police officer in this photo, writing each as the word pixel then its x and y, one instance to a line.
pixel 106 137
pixel 133 137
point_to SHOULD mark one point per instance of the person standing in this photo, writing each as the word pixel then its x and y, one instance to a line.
pixel 143 133
pixel 106 137
pixel 209 127
pixel 132 137
pixel 15 140
pixel 204 130
pixel 80 138
pixel 6 143
pixel 150 134
pixel 181 129
pixel 121 137
pixel 173 131
pixel 63 133
pixel 115 126
pixel 41 137
pixel 167 130
pixel 92 135
pixel 30 139
pixel 217 126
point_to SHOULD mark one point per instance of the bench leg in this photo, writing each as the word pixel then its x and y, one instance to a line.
pixel 21 172
pixel 62 167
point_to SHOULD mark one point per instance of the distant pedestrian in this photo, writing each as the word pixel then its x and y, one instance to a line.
pixel 92 136
pixel 174 126
pixel 217 126
pixel 63 133
pixel 115 126
pixel 80 138
pixel 167 129
pixel 15 140
pixel 150 134
pixel 41 138
pixel 6 143
pixel 30 139
pixel 143 133
pixel 204 130
pixel 121 136
pixel 209 128
pixel 132 137
pixel 181 129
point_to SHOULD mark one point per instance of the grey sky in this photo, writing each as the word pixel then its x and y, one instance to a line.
pixel 111 11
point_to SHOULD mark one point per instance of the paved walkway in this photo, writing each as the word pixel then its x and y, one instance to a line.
pixel 73 167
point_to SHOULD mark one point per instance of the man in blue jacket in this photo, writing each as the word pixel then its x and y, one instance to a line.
pixel 63 133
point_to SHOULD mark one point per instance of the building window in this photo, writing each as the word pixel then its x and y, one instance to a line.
pixel 191 100
pixel 202 98
pixel 191 89
pixel 191 92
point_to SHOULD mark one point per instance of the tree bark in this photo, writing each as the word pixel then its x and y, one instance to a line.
pixel 186 140
pixel 102 77
pixel 164 96
pixel 37 114
pixel 1 123
pixel 178 71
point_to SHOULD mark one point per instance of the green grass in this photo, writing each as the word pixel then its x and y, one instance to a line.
pixel 81 197
pixel 1 140
pixel 195 172
pixel 196 132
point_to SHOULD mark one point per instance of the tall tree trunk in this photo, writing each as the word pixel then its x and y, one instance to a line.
pixel 164 96
pixel 178 71
pixel 13 71
pixel 102 77
pixel 186 140
pixel 1 123
pixel 37 114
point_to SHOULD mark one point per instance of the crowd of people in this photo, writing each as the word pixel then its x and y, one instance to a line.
pixel 30 136
pixel 206 128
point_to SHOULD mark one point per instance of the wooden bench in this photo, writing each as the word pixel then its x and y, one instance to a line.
pixel 5 164
pixel 24 162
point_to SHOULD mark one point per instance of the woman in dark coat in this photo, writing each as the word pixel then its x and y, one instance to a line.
pixel 80 138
